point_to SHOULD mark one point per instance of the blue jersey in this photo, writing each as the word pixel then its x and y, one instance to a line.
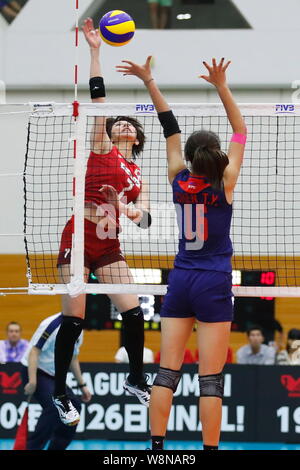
pixel 204 218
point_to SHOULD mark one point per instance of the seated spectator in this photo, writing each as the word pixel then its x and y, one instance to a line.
pixel 291 355
pixel 270 326
pixel 122 356
pixel 229 359
pixel 13 348
pixel 256 352
pixel 187 359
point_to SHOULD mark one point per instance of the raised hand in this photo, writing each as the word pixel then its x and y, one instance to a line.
pixel 217 72
pixel 91 34
pixel 141 71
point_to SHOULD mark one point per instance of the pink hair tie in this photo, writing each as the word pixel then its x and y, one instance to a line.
pixel 239 138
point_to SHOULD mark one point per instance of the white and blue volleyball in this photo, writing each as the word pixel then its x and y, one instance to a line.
pixel 116 28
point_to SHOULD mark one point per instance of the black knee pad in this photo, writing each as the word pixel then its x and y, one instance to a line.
pixel 167 378
pixel 133 313
pixel 212 385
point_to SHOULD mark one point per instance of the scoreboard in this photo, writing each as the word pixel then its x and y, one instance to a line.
pixel 249 311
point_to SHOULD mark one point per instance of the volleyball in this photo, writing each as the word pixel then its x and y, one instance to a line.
pixel 116 28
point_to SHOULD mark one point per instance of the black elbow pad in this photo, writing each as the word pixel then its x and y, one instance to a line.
pixel 97 87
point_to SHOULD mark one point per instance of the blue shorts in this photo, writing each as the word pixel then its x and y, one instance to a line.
pixel 205 295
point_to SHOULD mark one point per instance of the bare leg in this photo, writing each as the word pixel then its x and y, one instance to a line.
pixel 72 307
pixel 10 12
pixel 154 9
pixel 15 5
pixel 175 333
pixel 164 17
pixel 118 273
pixel 213 342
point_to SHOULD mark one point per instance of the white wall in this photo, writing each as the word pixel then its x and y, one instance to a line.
pixel 39 48
pixel 276 15
pixel 132 95
pixel 258 58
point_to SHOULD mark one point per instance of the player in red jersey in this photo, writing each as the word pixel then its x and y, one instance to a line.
pixel 113 180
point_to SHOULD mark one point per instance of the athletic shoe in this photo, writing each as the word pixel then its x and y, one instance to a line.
pixel 66 410
pixel 142 390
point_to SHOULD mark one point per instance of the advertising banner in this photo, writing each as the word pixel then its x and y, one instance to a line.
pixel 261 403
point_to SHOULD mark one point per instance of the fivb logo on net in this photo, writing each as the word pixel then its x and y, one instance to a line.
pixel 144 108
pixel 285 109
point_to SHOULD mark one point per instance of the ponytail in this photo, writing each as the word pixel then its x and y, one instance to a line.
pixel 210 162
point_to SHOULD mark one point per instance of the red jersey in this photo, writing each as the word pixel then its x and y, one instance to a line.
pixel 112 169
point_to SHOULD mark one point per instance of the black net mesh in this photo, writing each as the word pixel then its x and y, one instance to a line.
pixel 48 176
pixel 265 226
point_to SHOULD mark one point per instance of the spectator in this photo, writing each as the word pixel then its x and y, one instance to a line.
pixel 187 359
pixel 160 13
pixel 38 375
pixel 269 326
pixel 256 352
pixel 13 348
pixel 122 356
pixel 291 355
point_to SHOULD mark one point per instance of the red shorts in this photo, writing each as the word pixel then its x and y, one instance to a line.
pixel 97 252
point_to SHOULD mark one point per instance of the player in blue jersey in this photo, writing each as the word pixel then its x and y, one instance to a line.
pixel 200 283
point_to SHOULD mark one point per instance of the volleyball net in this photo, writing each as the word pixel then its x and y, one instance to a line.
pixel 266 217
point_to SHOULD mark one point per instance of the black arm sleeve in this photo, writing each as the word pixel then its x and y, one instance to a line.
pixel 169 123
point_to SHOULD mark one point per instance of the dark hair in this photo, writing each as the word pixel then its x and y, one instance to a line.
pixel 254 328
pixel 13 323
pixel 203 151
pixel 294 333
pixel 136 149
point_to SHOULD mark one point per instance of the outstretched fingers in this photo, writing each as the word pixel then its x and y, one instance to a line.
pixel 128 62
pixel 216 67
pixel 124 70
pixel 88 24
pixel 220 66
pixel 226 66
pixel 207 66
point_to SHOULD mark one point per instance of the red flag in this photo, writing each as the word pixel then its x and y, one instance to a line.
pixel 22 433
